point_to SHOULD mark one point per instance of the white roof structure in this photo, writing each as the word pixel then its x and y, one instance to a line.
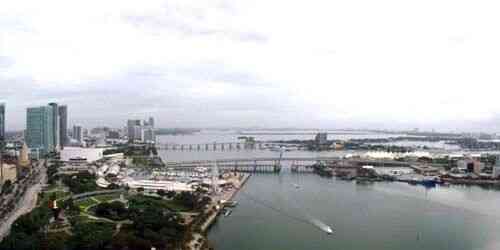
pixel 102 170
pixel 380 155
pixel 101 182
pixel 417 154
pixel 90 154
pixel 114 170
pixel 159 185
pixel 210 182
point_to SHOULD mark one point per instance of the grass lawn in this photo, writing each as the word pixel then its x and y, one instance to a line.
pixel 107 197
pixel 84 204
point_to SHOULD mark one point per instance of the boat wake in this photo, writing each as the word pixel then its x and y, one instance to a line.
pixel 310 220
pixel 324 227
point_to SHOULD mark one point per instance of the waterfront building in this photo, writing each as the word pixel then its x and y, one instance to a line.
pixel 138 133
pixel 78 133
pixel 496 168
pixel 85 133
pixel 151 122
pixel 132 129
pixel 470 166
pixel 63 126
pixel 148 135
pixel 55 124
pixel 142 131
pixel 113 135
pixel 2 121
pixel 321 138
pixel 152 185
pixel 40 130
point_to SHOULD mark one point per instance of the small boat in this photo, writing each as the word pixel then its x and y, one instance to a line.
pixel 228 212
pixel 231 203
pixel 329 230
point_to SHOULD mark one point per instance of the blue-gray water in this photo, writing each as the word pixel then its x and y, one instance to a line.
pixel 273 214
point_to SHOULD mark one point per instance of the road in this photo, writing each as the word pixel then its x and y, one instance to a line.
pixel 27 202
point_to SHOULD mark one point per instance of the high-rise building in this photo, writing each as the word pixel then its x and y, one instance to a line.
pixel 77 133
pixel 2 137
pixel 321 138
pixel 138 136
pixel 496 168
pixel 151 122
pixel 148 135
pixel 2 121
pixel 113 134
pixel 63 126
pixel 55 124
pixel 40 129
pixel 24 162
pixel 132 130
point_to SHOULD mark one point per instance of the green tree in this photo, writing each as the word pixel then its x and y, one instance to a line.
pixel 91 236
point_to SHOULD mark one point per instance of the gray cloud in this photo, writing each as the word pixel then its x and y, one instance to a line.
pixel 168 22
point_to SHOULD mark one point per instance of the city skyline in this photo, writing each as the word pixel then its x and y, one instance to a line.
pixel 233 63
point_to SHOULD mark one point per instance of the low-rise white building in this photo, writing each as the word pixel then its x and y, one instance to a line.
pixel 159 185
pixel 87 154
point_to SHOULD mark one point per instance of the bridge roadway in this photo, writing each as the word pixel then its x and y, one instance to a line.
pixel 224 146
pixel 294 160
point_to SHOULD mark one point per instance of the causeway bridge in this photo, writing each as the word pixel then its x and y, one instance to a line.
pixel 275 164
pixel 222 146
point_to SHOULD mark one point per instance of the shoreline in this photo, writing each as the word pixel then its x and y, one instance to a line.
pixel 214 217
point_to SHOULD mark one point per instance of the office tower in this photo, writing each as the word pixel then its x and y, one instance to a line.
pixel 63 126
pixel 321 138
pixel 138 135
pixel 133 132
pixel 77 133
pixel 40 129
pixel 148 135
pixel 113 135
pixel 2 137
pixel 55 124
pixel 151 122
pixel 2 121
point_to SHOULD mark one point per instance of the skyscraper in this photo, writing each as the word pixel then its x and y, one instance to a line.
pixel 77 133
pixel 151 122
pixel 132 129
pixel 40 129
pixel 2 137
pixel 63 126
pixel 148 134
pixel 2 121
pixel 55 124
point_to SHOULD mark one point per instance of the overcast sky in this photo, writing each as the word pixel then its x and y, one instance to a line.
pixel 356 63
